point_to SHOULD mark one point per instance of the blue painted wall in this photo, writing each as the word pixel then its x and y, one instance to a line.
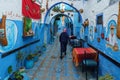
pixel 47 28
pixel 105 66
pixel 76 25
pixel 11 59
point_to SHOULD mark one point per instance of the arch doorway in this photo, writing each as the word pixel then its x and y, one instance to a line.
pixel 60 21
pixel 53 19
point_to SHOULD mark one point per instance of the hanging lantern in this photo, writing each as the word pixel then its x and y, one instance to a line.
pixel 118 22
pixel 42 9
pixel 102 35
pixel 95 29
pixel 98 39
pixel 81 10
pixel 71 4
pixel 71 14
pixel 51 14
pixel 86 22
pixel 68 13
pixel 62 11
pixel 33 0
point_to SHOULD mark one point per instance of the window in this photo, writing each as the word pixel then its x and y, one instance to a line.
pixel 98 1
pixel 100 19
pixel 112 2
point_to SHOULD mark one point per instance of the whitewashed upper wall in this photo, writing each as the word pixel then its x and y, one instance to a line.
pixel 92 8
pixel 12 9
pixel 113 9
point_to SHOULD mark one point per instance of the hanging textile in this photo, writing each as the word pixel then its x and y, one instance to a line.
pixel 3 38
pixel 31 9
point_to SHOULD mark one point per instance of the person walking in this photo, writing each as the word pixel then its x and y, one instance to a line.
pixel 64 38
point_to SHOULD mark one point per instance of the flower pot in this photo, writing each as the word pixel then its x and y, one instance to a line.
pixel 16 76
pixel 98 39
pixel 44 49
pixel 29 64
pixel 35 59
pixel 102 35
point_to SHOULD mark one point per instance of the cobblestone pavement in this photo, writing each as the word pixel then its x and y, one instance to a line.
pixel 50 67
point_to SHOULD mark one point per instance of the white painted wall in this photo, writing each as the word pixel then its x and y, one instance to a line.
pixel 92 8
pixel 12 9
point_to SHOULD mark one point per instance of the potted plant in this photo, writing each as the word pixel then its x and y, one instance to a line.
pixel 106 77
pixel 18 75
pixel 10 69
pixel 29 63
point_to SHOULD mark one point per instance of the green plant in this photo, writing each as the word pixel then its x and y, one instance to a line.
pixel 19 56
pixel 44 45
pixel 30 56
pixel 18 75
pixel 106 77
pixel 56 9
pixel 38 49
pixel 10 69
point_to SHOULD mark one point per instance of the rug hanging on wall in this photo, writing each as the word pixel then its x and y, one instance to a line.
pixel 31 9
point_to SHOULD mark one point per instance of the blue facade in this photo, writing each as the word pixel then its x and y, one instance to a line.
pixel 21 41
pixel 106 66
pixel 43 33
